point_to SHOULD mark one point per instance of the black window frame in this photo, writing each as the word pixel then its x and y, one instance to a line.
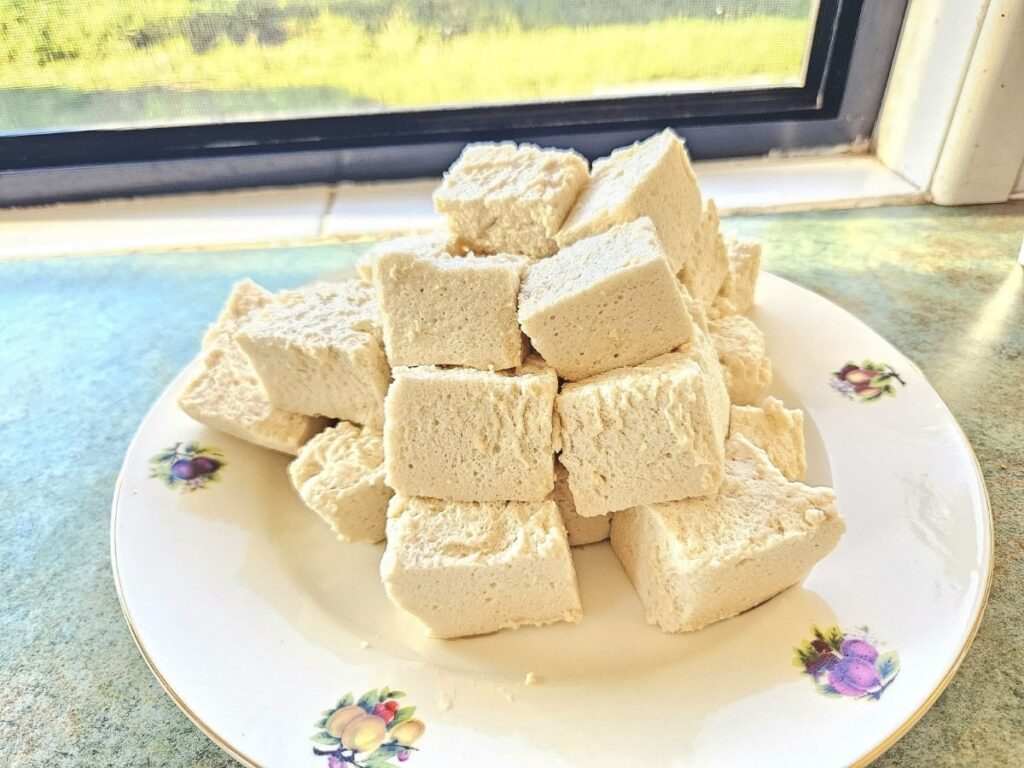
pixel 852 46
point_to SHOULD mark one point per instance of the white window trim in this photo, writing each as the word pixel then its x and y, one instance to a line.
pixel 952 121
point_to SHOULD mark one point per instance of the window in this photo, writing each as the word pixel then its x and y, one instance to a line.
pixel 277 91
pixel 148 63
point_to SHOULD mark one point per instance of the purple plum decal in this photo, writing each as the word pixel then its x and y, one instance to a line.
pixel 187 466
pixel 847 664
pixel 865 382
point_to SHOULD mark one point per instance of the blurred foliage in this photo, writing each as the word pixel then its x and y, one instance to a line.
pixel 45 31
pixel 360 53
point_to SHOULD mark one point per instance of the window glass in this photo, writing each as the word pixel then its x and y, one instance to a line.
pixel 79 64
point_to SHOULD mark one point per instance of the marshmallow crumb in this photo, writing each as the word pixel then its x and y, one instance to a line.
pixel 445 699
pixel 814 516
pixel 506 694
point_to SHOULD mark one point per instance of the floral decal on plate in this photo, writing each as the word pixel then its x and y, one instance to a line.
pixel 865 382
pixel 368 732
pixel 847 664
pixel 188 466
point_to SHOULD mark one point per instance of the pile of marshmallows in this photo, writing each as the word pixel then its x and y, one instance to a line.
pixel 561 366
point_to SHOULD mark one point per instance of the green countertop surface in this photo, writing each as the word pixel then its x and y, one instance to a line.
pixel 87 344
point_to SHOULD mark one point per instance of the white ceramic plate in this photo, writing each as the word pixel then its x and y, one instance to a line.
pixel 257 620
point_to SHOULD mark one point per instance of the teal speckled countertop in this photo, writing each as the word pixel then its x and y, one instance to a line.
pixel 86 345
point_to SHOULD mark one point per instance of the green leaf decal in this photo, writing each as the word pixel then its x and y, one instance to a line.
pixel 888 665
pixel 402 715
pixel 367 700
pixel 835 638
pixel 828 690
pixel 386 751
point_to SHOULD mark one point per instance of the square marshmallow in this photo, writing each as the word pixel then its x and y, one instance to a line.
pixel 697 561
pixel 460 433
pixel 604 302
pixel 581 530
pixel 652 178
pixel 650 433
pixel 708 266
pixel 777 431
pixel 227 395
pixel 318 350
pixel 450 310
pixel 508 198
pixel 744 266
pixel 468 568
pixel 435 243
pixel 741 351
pixel 339 474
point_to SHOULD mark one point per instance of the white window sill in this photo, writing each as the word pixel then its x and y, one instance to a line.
pixel 739 187
pixel 224 219
pixel 358 211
